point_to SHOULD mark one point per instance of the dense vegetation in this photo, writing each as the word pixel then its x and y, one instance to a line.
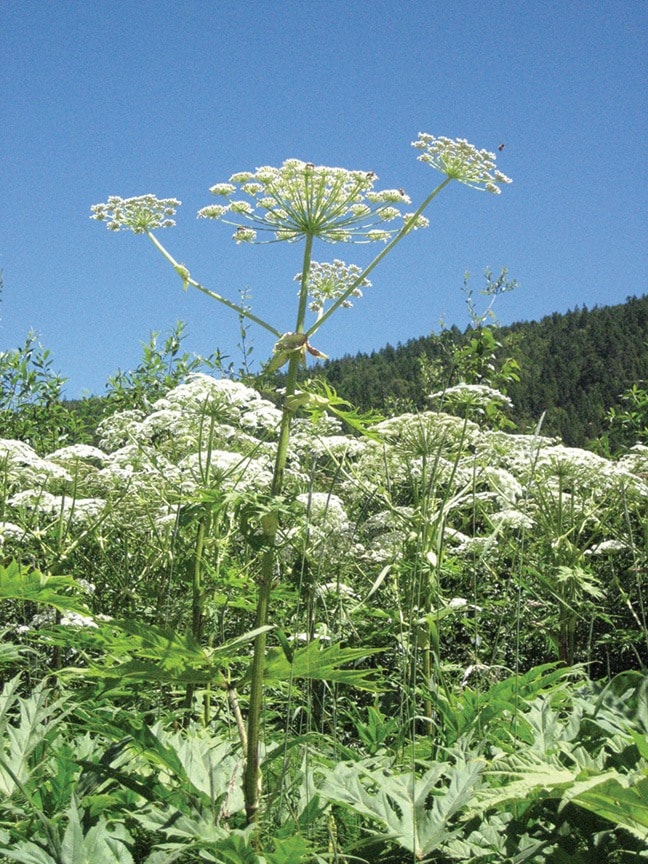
pixel 573 369
pixel 245 624
pixel 457 673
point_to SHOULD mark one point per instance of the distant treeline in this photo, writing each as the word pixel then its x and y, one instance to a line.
pixel 572 370
pixel 573 367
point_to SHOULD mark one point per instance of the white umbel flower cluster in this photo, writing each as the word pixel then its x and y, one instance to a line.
pixel 462 161
pixel 328 281
pixel 139 214
pixel 301 199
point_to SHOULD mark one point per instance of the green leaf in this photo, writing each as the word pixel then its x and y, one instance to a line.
pixel 293 850
pixel 323 664
pixel 144 652
pixel 25 725
pixel 475 710
pixel 622 800
pixel 317 396
pixel 641 743
pixel 414 811
pixel 18 582
pixel 99 846
pixel 537 779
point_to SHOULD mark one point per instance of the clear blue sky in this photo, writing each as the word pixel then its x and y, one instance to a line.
pixel 172 96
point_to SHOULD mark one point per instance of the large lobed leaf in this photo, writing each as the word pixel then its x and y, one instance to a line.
pixel 416 812
pixel 18 582
pixel 322 664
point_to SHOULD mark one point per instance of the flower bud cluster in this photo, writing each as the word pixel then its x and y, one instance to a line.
pixel 139 214
pixel 462 161
pixel 328 281
pixel 301 199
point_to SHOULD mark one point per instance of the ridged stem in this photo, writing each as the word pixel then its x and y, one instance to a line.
pixel 270 525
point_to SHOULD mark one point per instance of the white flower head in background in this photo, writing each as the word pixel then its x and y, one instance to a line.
pixel 462 161
pixel 139 215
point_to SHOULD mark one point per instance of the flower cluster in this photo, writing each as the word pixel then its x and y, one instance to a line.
pixel 506 487
pixel 325 528
pixel 301 199
pixel 225 469
pixel 479 395
pixel 140 214
pixel 460 160
pixel 16 457
pixel 329 281
pixel 78 510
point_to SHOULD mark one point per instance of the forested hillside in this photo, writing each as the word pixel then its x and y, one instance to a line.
pixel 573 367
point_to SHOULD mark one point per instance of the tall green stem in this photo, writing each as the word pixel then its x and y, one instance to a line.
pixel 197 598
pixel 270 525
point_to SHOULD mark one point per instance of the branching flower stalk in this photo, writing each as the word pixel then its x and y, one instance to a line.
pixel 415 220
pixel 299 201
pixel 270 525
pixel 187 280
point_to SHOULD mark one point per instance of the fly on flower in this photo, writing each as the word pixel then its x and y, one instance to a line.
pixel 462 161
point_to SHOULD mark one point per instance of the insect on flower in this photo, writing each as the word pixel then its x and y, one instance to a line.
pixel 460 160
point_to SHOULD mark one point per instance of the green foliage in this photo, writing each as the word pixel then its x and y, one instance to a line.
pixel 526 782
pixel 411 811
pixel 428 578
pixel 30 397
pixel 18 582
pixel 161 368
pixel 571 368
pixel 138 654
pixel 316 398
pixel 467 713
pixel 101 844
pixel 475 362
pixel 38 717
pixel 28 377
pixel 316 663
pixel 628 422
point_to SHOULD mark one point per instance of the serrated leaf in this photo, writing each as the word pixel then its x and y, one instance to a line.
pixel 144 652
pixel 622 800
pixel 25 724
pixel 99 846
pixel 416 812
pixel 18 582
pixel 323 664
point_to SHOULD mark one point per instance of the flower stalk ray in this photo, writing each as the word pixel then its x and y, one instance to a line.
pixel 410 225
pixel 184 274
pixel 300 199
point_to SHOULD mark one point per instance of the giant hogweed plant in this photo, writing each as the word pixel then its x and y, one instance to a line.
pixel 308 203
